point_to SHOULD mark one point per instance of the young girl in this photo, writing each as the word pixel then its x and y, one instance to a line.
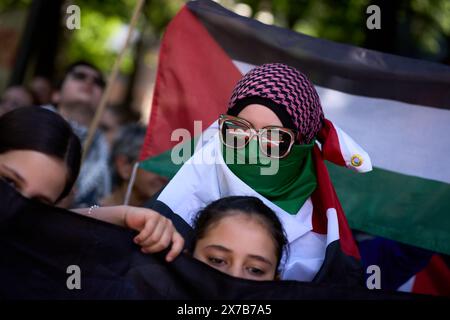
pixel 221 229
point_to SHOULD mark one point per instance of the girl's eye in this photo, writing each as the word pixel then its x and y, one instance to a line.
pixel 216 261
pixel 9 181
pixel 256 271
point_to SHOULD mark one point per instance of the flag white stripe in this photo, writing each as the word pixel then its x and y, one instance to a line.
pixel 400 137
pixel 333 226
pixel 408 285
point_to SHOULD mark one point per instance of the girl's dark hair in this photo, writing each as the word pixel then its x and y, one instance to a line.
pixel 247 205
pixel 42 130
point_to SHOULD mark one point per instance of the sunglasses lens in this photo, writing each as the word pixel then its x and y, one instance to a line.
pixel 99 82
pixel 235 134
pixel 78 75
pixel 275 143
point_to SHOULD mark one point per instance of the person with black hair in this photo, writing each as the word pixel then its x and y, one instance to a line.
pixel 240 236
pixel 40 158
pixel 39 153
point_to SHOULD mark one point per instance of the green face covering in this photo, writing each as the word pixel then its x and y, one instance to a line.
pixel 288 187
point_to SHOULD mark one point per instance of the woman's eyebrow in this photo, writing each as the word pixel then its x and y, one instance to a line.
pixel 218 247
pixel 260 258
pixel 14 173
pixel 22 180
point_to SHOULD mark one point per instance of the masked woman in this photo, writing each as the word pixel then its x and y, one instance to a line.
pixel 271 144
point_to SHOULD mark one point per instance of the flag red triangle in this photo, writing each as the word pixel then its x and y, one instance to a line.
pixel 324 198
pixel 194 81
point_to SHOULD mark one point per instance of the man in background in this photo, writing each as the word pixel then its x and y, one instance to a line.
pixel 76 99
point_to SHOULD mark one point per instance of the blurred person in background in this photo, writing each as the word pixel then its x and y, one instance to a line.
pixel 16 97
pixel 114 117
pixel 124 154
pixel 42 89
pixel 79 93
pixel 76 99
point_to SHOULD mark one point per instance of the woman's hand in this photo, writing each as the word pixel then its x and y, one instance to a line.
pixel 156 232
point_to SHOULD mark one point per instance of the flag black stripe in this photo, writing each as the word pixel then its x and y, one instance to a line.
pixel 329 64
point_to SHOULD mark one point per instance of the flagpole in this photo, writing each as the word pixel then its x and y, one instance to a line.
pixel 112 77
pixel 131 184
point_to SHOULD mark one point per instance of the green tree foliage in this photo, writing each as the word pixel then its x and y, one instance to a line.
pixel 421 28
pixel 92 41
pixel 102 20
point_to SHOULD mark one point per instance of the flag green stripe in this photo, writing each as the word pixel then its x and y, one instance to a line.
pixel 162 164
pixel 396 206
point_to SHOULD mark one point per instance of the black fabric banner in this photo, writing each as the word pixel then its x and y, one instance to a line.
pixel 39 243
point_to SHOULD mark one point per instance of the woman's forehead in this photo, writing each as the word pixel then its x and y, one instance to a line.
pixel 260 116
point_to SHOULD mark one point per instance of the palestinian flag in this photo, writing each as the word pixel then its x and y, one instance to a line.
pixel 397 108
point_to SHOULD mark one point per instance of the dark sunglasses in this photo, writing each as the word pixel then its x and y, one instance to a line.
pixel 274 141
pixel 82 76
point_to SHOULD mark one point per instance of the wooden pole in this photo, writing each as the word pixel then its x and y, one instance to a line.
pixel 112 77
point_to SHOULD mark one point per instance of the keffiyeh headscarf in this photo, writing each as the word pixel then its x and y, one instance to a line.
pixel 287 92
